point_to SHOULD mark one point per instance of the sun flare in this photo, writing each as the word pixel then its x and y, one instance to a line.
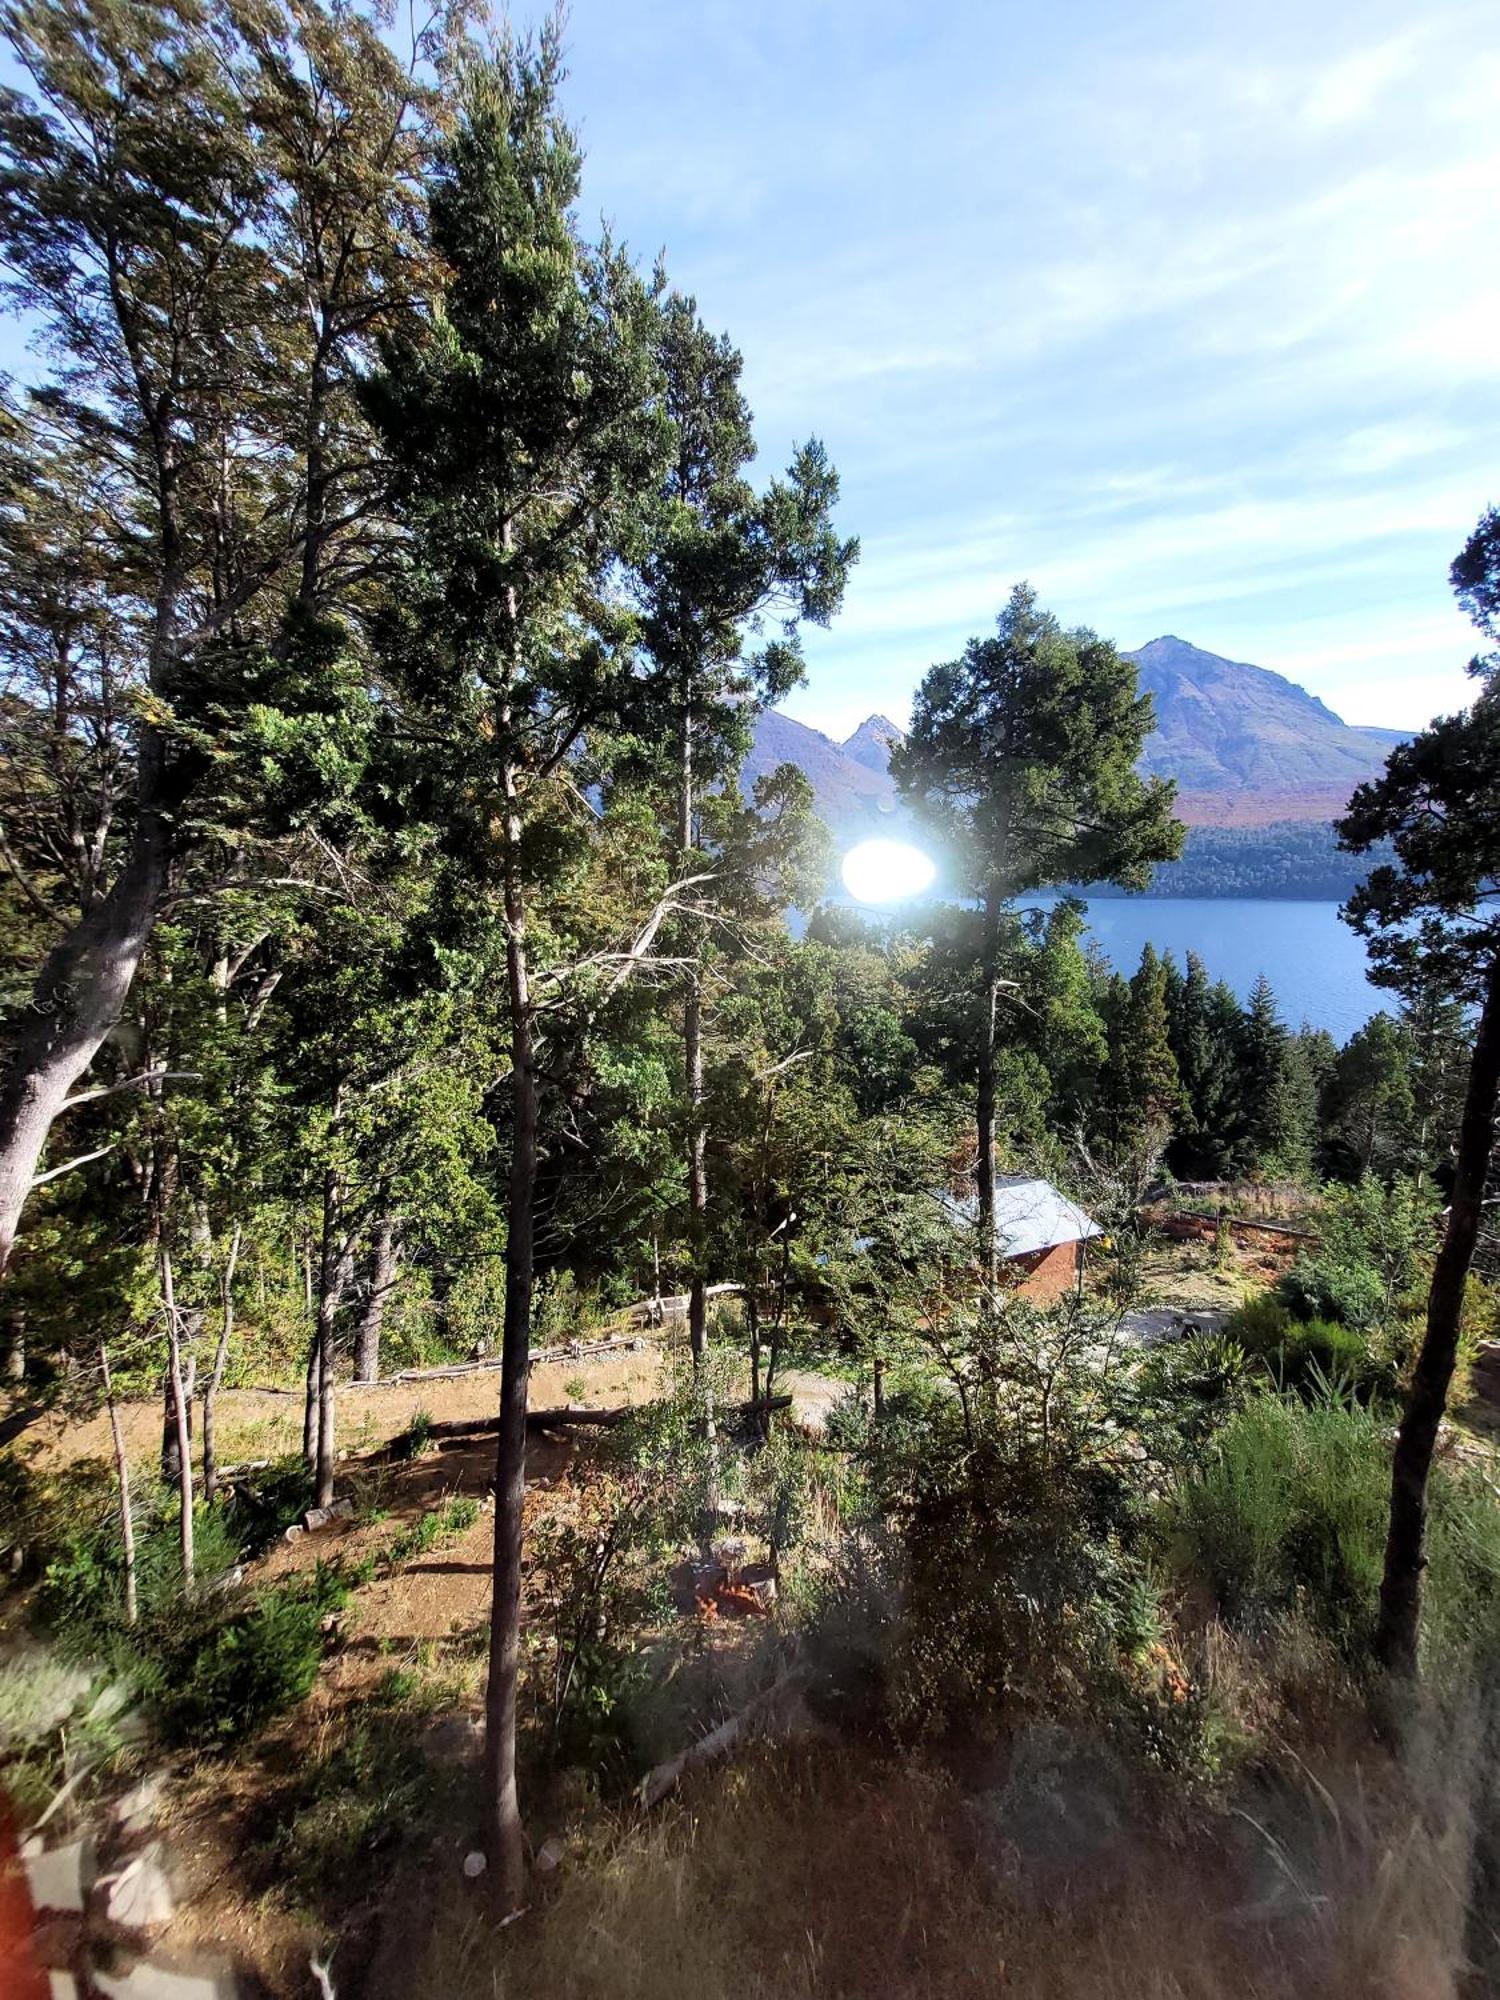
pixel 886 871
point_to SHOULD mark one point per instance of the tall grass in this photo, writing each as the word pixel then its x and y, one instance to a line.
pixel 841 1874
pixel 1288 1513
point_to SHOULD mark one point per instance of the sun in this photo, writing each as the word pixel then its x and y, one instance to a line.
pixel 886 871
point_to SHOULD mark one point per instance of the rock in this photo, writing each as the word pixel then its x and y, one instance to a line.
pixel 549 1855
pixel 760 1580
pixel 140 1896
pixel 475 1865
pixel 136 1810
pixel 60 1877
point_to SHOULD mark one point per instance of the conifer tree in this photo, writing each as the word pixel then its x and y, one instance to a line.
pixel 1432 916
pixel 1021 760
pixel 210 212
pixel 722 562
pixel 528 434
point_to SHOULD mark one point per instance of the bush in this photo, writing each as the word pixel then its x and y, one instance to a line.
pixel 1303 1352
pixel 1288 1513
pixel 221 1685
pixel 352 1810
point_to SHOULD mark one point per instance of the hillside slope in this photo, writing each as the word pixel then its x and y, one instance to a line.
pixel 1246 745
pixel 852 797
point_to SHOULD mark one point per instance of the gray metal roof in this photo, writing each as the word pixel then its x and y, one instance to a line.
pixel 1030 1216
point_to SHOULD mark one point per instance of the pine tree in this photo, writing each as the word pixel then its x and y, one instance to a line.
pixel 1145 1088
pixel 1367 1106
pixel 529 436
pixel 1432 917
pixel 721 561
pixel 1204 1028
pixel 206 210
pixel 1274 1132
pixel 1021 760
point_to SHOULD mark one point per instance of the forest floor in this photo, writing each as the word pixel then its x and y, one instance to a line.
pixel 253 1840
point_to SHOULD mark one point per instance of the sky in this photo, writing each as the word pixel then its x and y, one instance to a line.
pixel 1190 315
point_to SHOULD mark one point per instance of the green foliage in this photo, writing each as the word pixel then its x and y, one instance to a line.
pixel 216 1687
pixel 416 1440
pixel 351 1811
pixel 444 1523
pixel 1288 1515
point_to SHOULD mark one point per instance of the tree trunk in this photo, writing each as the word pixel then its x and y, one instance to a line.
pixel 221 1355
pixel 13 1344
pixel 180 1406
pixel 335 1269
pixel 122 1482
pixel 383 1265
pixel 78 998
pixel 310 1404
pixel 697 1152
pixel 1398 1628
pixel 504 1836
pixel 171 1464
pixel 984 1165
pixel 692 1062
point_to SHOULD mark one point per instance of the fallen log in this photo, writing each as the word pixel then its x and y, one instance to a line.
pixel 460 1429
pixel 575 1350
pixel 777 1712
pixel 1263 1228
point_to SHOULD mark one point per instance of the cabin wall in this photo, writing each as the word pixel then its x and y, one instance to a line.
pixel 1048 1275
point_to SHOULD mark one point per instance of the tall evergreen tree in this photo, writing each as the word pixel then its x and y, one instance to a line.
pixel 1204 1026
pixel 1021 759
pixel 1367 1108
pixel 721 562
pixel 1433 916
pixel 528 434
pixel 1273 1127
pixel 207 212
pixel 1144 1087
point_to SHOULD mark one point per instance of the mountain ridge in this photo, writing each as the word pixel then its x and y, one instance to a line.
pixel 1246 745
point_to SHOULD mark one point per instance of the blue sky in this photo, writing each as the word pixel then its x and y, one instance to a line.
pixel 1190 314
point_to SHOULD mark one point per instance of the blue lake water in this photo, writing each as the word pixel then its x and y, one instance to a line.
pixel 1316 965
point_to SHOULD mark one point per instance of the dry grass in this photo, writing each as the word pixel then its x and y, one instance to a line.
pixel 840 1873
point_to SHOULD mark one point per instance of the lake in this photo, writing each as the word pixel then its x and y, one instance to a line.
pixel 1316 965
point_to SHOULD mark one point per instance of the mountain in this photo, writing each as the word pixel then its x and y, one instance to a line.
pixel 872 743
pixel 853 797
pixel 1247 746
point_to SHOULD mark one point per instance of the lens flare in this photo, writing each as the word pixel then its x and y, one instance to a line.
pixel 886 871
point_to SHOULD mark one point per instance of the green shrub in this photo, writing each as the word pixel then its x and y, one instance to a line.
pixel 438 1524
pixel 1301 1351
pixel 222 1684
pixel 1319 1288
pixel 351 1811
pixel 1287 1513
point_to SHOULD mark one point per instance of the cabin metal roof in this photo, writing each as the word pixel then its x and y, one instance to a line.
pixel 1030 1216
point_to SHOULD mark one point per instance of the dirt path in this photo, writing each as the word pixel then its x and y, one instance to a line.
pixel 262 1423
